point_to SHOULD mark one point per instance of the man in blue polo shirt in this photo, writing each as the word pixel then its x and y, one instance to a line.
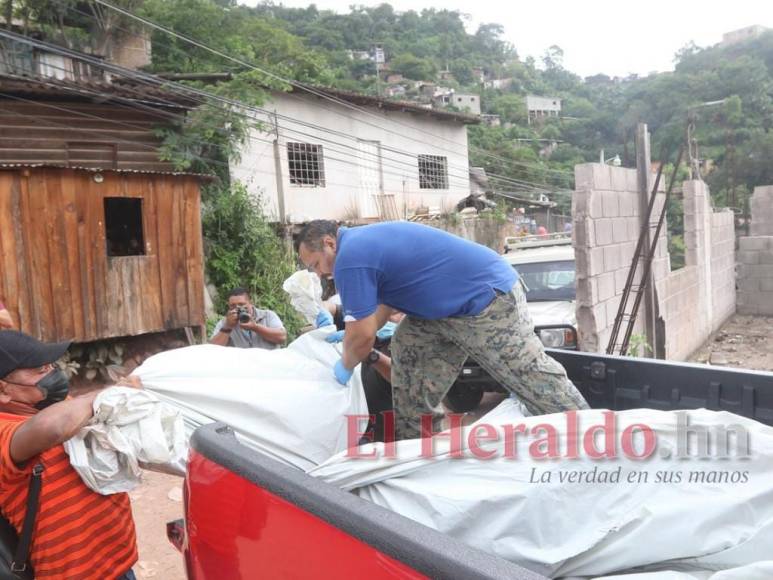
pixel 461 299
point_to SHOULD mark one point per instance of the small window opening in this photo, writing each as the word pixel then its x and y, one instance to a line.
pixel 123 226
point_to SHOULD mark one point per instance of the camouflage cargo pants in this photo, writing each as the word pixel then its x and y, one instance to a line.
pixel 428 355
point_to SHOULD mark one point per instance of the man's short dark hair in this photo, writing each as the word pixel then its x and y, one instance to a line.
pixel 313 232
pixel 239 292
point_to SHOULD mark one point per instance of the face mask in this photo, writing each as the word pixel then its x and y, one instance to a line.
pixel 55 386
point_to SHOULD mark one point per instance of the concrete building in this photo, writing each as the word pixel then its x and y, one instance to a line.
pixel 743 34
pixel 357 158
pixel 498 84
pixel 540 107
pixel 466 102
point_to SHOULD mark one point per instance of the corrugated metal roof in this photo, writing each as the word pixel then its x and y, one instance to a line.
pixel 388 104
pixel 86 88
pixel 8 166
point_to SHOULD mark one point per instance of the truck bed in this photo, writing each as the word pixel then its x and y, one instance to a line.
pixel 249 516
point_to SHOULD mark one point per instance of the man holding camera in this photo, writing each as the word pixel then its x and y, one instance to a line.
pixel 245 326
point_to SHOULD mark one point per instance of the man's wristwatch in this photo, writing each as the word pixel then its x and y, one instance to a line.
pixel 372 357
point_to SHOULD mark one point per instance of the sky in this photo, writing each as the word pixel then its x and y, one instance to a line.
pixel 614 38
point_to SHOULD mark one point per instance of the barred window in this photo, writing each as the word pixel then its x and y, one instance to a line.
pixel 433 172
pixel 306 163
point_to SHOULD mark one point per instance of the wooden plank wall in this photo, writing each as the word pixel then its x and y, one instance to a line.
pixel 57 280
pixel 81 135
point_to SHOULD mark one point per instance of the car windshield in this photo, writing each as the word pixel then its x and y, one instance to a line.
pixel 548 280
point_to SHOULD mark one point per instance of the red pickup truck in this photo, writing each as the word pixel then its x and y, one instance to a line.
pixel 248 516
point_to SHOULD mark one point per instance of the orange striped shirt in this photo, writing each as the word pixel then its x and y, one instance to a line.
pixel 79 534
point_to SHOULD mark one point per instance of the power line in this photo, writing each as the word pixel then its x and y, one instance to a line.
pixel 292 83
pixel 540 188
pixel 185 90
pixel 154 81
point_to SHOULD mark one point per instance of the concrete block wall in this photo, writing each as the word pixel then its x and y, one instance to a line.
pixel 761 206
pixel 723 269
pixel 692 302
pixel 755 275
pixel 755 257
pixel 606 226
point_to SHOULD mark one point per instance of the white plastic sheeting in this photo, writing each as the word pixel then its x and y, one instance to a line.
pixel 284 402
pixel 130 429
pixel 561 529
pixel 757 571
pixel 305 292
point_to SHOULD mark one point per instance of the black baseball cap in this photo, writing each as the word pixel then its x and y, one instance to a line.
pixel 22 351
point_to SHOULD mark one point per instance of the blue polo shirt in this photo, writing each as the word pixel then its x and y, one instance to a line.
pixel 419 270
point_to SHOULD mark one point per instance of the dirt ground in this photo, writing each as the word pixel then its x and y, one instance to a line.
pixel 743 342
pixel 157 501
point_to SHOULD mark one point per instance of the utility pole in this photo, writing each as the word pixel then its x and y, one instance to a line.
pixel 378 56
pixel 280 191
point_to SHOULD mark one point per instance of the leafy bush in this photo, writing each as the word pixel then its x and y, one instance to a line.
pixel 243 249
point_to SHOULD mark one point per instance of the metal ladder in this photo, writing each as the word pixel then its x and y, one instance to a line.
pixel 624 313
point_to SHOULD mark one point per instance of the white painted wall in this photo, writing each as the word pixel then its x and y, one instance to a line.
pixel 366 156
pixel 551 104
pixel 466 102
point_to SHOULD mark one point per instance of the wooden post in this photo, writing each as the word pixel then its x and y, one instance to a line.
pixel 645 183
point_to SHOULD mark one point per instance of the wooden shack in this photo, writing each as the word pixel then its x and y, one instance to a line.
pixel 99 238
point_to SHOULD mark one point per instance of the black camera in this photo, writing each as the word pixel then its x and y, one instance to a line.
pixel 243 314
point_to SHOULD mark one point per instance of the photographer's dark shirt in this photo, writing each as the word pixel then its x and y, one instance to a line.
pixel 241 338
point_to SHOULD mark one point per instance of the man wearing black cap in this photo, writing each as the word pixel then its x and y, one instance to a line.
pixel 77 533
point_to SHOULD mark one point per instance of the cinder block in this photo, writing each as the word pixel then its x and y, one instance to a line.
pixel 661 268
pixel 766 285
pixel 620 230
pixel 763 301
pixel 611 306
pixel 580 233
pixel 748 285
pixel 690 222
pixel 754 243
pixel 765 257
pixel 747 309
pixel 583 176
pixel 619 178
pixel 600 314
pixel 626 254
pixel 606 286
pixel 760 271
pixel 749 257
pixel 580 203
pixel 634 228
pixel 584 291
pixel 610 206
pixel 595 204
pixel 625 201
pixel 632 181
pixel 603 232
pixel 611 258
pixel 596 262
pixel 621 277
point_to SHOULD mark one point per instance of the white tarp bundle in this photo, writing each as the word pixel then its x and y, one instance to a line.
pixel 717 516
pixel 758 571
pixel 130 429
pixel 284 402
pixel 305 292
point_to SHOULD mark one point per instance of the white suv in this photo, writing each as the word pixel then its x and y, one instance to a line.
pixel 545 265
